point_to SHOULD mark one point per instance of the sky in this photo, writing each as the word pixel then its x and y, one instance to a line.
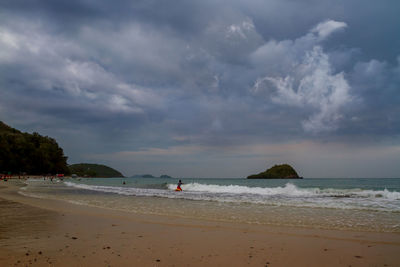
pixel 210 88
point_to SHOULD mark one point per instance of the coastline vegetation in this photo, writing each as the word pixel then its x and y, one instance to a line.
pixel 94 170
pixel 34 154
pixel 30 153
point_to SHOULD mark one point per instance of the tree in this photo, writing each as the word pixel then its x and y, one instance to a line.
pixel 30 153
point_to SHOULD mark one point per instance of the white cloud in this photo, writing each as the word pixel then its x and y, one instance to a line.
pixel 326 28
pixel 118 103
pixel 371 68
pixel 306 78
pixel 9 44
pixel 242 29
pixel 8 39
pixel 229 41
pixel 277 56
pixel 54 63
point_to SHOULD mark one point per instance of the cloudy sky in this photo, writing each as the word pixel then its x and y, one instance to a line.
pixel 210 88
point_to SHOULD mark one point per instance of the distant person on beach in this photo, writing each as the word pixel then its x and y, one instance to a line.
pixel 179 185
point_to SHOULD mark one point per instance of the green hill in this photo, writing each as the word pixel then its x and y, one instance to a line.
pixel 94 170
pixel 4 128
pixel 283 171
pixel 30 153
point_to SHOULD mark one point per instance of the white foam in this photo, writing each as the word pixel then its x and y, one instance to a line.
pixel 115 189
pixel 288 195
pixel 288 190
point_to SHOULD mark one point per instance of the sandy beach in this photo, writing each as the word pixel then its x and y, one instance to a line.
pixel 42 232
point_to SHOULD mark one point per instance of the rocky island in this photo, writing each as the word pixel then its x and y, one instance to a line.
pixel 283 171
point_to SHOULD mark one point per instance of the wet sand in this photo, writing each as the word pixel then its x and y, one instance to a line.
pixel 43 232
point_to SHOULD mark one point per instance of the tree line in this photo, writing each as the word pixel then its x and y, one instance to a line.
pixel 30 153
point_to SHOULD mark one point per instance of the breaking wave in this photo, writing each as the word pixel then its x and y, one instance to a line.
pixel 289 190
pixel 288 195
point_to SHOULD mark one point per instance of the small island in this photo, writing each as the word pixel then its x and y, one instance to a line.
pixel 94 170
pixel 150 176
pixel 283 171
pixel 142 176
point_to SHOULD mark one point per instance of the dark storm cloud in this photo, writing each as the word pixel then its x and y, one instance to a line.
pixel 138 75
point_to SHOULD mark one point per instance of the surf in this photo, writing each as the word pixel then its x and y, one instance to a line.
pixel 289 190
pixel 287 195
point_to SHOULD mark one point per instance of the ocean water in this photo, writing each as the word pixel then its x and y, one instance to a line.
pixel 345 204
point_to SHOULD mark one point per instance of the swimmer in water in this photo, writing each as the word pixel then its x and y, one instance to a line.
pixel 179 185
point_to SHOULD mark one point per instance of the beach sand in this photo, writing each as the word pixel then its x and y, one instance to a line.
pixel 42 232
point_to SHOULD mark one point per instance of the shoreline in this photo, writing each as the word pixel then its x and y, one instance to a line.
pixel 64 234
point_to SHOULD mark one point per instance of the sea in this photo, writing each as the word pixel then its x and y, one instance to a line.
pixel 338 204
